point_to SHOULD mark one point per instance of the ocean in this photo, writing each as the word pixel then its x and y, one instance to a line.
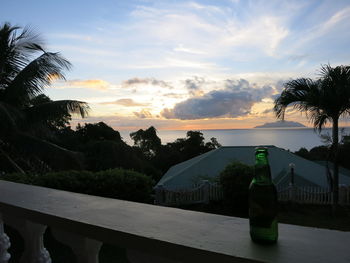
pixel 288 138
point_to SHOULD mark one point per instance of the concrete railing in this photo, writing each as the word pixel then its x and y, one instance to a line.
pixel 150 233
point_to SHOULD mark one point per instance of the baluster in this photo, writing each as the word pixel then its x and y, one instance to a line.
pixel 85 249
pixel 33 236
pixel 4 243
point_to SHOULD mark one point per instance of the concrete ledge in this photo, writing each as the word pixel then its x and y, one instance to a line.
pixel 173 233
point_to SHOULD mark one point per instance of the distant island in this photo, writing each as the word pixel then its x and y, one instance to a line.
pixel 281 124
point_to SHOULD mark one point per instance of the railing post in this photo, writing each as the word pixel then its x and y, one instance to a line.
pixel 34 250
pixel 342 194
pixel 4 243
pixel 205 189
pixel 159 195
pixel 85 249
pixel 291 193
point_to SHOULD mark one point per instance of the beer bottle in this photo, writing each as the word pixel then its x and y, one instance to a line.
pixel 263 204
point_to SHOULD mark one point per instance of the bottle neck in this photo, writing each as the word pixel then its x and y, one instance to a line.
pixel 262 170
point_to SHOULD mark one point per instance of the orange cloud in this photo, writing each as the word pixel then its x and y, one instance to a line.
pixel 126 103
pixel 90 83
pixel 143 114
pixel 97 84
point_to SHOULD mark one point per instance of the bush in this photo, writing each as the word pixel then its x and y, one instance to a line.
pixel 235 180
pixel 114 183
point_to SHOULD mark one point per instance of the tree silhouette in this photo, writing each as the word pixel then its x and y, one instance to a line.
pixel 26 69
pixel 147 140
pixel 323 100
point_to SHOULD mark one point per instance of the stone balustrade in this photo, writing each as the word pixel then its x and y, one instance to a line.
pixel 150 233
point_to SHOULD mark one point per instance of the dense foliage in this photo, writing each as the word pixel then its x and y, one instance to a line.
pixel 235 180
pixel 323 153
pixel 103 148
pixel 113 183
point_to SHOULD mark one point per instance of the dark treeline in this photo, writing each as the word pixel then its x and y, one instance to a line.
pixel 323 153
pixel 103 148
pixel 98 146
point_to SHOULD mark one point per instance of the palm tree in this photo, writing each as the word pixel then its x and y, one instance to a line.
pixel 26 69
pixel 323 100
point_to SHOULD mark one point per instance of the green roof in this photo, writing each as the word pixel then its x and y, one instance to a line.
pixel 210 164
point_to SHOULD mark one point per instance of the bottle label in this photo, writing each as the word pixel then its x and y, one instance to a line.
pixel 263 234
pixel 263 210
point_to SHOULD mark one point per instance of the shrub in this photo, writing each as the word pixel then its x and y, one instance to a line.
pixel 235 180
pixel 114 183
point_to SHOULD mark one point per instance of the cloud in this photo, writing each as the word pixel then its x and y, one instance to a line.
pixel 328 27
pixel 267 111
pixel 145 81
pixel 174 95
pixel 126 102
pixel 143 114
pixel 97 84
pixel 197 29
pixel 194 86
pixel 343 14
pixel 234 100
pixel 181 48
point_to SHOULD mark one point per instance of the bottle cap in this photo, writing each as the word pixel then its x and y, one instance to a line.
pixel 261 149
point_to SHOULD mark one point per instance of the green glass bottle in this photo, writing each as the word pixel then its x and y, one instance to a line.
pixel 263 205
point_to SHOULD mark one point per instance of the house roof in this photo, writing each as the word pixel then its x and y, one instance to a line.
pixel 210 164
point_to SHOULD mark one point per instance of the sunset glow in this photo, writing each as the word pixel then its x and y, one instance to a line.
pixel 186 65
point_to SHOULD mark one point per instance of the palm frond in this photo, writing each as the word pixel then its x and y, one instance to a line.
pixel 56 109
pixel 16 50
pixel 55 156
pixel 295 94
pixel 32 79
pixel 10 116
pixel 11 162
pixel 319 119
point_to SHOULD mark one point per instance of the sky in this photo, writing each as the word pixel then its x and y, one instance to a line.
pixel 186 64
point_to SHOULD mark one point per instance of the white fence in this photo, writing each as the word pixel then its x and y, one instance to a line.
pixel 206 192
pixel 306 195
pixel 203 193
